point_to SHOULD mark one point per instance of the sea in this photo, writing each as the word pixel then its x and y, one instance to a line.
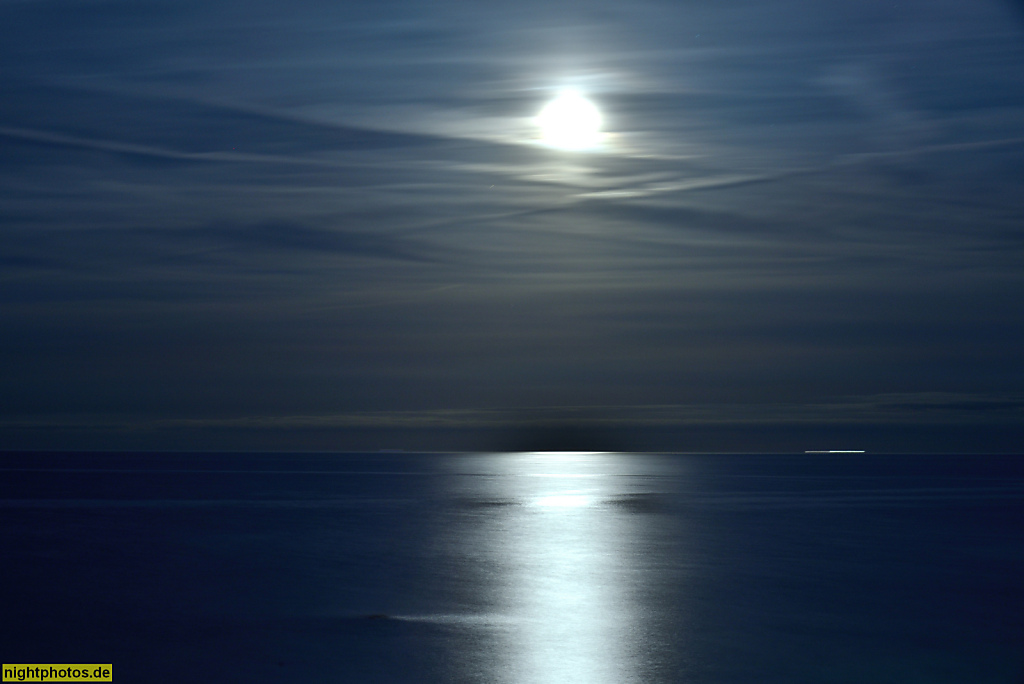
pixel 524 568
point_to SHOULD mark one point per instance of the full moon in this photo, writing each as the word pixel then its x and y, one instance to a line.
pixel 570 122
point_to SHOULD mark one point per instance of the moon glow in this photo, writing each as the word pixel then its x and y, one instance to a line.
pixel 570 122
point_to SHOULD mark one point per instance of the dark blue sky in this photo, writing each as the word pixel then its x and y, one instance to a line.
pixel 331 225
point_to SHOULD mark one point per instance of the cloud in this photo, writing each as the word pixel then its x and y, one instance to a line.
pixel 886 423
pixel 922 408
pixel 332 217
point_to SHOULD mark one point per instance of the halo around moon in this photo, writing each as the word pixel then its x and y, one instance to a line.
pixel 570 122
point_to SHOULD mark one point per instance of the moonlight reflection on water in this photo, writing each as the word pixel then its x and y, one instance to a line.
pixel 566 563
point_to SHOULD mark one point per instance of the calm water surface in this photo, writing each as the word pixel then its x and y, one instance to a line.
pixel 530 568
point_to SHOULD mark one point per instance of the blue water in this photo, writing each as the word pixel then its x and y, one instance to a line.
pixel 524 568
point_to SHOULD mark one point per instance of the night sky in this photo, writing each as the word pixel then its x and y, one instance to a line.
pixel 333 225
